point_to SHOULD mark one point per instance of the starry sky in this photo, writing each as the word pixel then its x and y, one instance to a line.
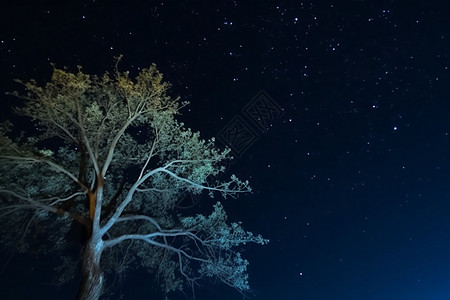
pixel 350 176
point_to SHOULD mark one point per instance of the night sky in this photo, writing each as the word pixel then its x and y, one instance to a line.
pixel 351 173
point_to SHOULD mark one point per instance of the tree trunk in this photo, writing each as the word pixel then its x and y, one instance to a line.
pixel 92 275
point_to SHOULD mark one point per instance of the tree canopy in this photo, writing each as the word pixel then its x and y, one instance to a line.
pixel 107 152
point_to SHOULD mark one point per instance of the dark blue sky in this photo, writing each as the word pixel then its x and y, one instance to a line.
pixel 351 182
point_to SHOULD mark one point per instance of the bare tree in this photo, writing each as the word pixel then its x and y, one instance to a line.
pixel 107 152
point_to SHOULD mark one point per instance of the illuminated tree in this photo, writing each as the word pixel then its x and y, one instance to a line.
pixel 107 152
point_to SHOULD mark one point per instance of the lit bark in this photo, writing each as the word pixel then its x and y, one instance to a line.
pixel 92 275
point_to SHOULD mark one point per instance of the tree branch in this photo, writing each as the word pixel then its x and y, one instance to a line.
pixel 113 145
pixel 53 165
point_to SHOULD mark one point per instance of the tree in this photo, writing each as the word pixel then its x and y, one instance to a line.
pixel 108 153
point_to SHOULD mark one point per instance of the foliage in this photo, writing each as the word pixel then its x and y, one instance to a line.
pixel 107 152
